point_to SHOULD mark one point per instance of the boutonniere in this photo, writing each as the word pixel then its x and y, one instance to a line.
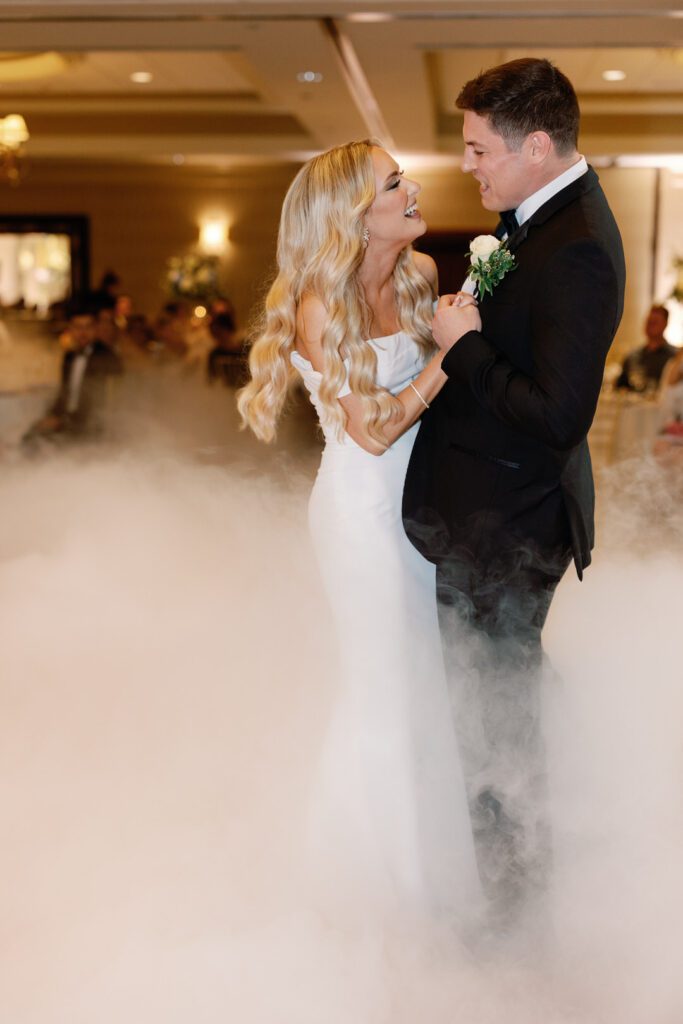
pixel 490 261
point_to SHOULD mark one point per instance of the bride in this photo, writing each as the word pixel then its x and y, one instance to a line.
pixel 350 313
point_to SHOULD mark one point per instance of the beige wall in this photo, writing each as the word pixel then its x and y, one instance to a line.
pixel 631 194
pixel 670 249
pixel 141 216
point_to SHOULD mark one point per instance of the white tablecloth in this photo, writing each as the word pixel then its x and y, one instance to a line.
pixel 626 425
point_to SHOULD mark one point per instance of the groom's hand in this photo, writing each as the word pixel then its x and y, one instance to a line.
pixel 455 315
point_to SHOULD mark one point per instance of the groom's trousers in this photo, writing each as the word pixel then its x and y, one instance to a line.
pixel 492 609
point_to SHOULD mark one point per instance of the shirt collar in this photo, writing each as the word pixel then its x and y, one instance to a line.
pixel 534 202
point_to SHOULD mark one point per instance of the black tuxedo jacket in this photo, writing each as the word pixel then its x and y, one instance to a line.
pixel 501 457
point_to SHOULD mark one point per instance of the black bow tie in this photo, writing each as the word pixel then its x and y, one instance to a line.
pixel 509 221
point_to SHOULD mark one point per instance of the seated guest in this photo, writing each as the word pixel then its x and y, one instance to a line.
pixel 108 289
pixel 671 404
pixel 221 305
pixel 106 328
pixel 669 442
pixel 137 346
pixel 643 368
pixel 123 311
pixel 674 375
pixel 172 328
pixel 86 368
pixel 227 360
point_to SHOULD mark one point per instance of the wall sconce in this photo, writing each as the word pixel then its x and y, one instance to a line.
pixel 13 134
pixel 213 235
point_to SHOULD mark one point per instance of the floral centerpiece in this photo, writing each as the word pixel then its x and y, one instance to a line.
pixel 194 277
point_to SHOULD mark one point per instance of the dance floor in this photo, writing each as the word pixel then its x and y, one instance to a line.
pixel 166 681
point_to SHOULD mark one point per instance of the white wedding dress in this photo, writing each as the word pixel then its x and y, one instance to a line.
pixel 389 818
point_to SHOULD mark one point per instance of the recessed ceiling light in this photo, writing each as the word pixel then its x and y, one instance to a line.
pixel 614 75
pixel 141 77
pixel 309 76
pixel 370 16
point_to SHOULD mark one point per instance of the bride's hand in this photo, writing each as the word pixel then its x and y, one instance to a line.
pixel 459 299
pixel 455 315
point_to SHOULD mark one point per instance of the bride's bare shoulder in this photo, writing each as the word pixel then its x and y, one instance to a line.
pixel 427 267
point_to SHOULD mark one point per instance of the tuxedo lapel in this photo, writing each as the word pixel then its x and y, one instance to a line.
pixel 515 240
pixel 586 183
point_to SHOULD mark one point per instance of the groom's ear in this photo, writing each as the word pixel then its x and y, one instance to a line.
pixel 538 146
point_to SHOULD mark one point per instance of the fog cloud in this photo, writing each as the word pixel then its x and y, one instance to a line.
pixel 166 682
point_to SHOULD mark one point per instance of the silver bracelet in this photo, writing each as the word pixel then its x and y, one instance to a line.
pixel 426 404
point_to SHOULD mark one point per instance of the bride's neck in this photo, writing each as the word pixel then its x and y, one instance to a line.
pixel 377 271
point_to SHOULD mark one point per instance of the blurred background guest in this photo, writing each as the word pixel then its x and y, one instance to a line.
pixel 109 288
pixel 227 361
pixel 172 328
pixel 137 345
pixel 674 375
pixel 642 370
pixel 670 439
pixel 87 366
pixel 106 328
pixel 123 310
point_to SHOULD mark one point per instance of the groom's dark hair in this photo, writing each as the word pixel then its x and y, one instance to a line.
pixel 525 96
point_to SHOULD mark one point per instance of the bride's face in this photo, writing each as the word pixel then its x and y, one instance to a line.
pixel 393 215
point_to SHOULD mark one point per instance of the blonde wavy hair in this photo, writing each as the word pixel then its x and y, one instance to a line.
pixel 320 249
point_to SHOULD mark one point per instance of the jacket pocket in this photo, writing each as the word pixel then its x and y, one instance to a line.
pixel 507 463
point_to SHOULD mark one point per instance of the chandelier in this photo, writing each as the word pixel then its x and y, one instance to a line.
pixel 13 135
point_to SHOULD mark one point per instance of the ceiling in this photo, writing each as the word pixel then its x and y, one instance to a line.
pixel 226 78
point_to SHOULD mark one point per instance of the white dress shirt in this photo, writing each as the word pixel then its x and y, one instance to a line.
pixel 535 202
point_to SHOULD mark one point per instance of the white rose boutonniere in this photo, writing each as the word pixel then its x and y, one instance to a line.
pixel 490 261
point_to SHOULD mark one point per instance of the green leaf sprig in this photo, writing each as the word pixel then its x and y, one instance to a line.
pixel 490 272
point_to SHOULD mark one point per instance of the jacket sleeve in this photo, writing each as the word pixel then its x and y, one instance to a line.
pixel 574 315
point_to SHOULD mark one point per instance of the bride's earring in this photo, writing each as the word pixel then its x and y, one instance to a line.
pixel 366 237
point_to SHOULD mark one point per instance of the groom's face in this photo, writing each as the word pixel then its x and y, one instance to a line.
pixel 502 173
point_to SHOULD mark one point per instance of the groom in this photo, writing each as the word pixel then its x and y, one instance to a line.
pixel 499 492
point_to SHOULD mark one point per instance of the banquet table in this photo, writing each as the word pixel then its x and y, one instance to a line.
pixel 626 425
